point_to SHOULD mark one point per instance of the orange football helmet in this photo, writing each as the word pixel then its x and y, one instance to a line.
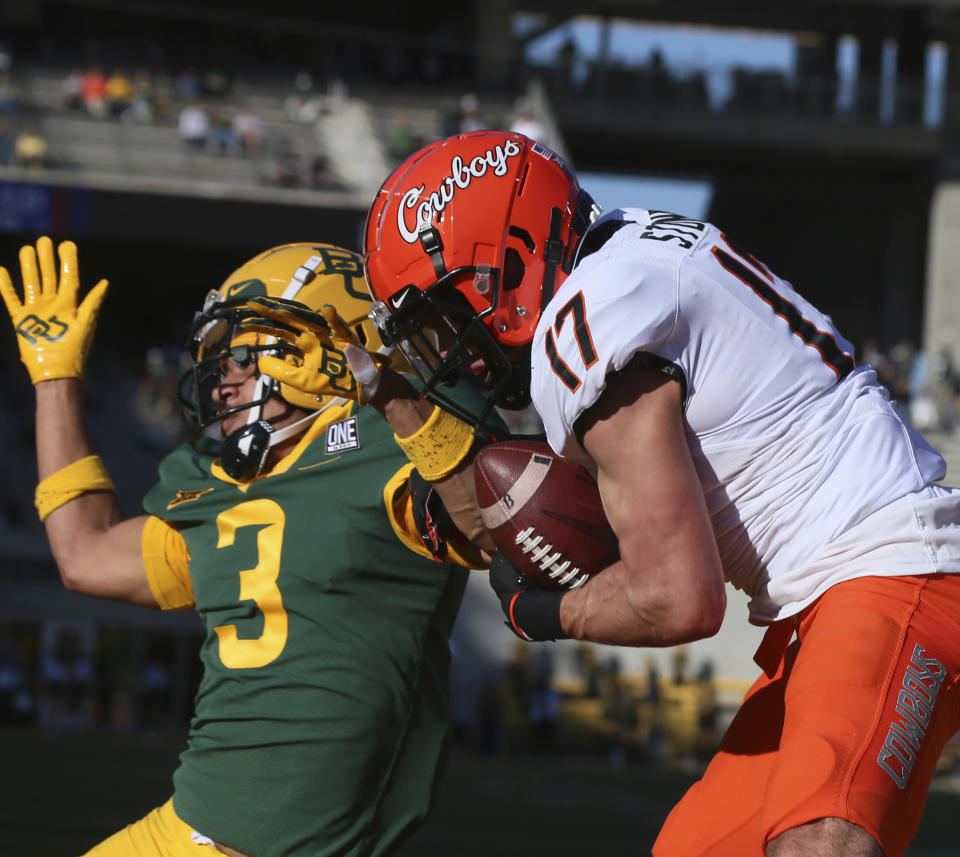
pixel 465 243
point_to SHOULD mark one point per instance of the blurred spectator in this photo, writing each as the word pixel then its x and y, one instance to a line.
pixel 30 149
pixel 322 176
pixel 155 684
pixel 16 700
pixel 945 384
pixel 161 92
pixel 67 675
pixel 708 735
pixel 188 83
pixel 652 708
pixel 901 362
pixel 620 709
pixel 216 83
pixel 95 92
pixel 194 124
pixel 71 90
pixel 303 105
pixel 249 130
pixel 142 106
pixel 469 114
pixel 6 142
pixel 9 96
pixel 402 140
pixel 222 138
pixel 873 355
pixel 566 64
pixel 524 122
pixel 923 403
pixel 156 395
pixel 286 168
pixel 543 704
pixel 680 661
pixel 119 93
pixel 493 709
pixel 588 670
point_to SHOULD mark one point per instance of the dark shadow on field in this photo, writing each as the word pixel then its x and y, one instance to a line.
pixel 62 793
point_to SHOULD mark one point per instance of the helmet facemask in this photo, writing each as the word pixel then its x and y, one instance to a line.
pixel 216 338
pixel 443 336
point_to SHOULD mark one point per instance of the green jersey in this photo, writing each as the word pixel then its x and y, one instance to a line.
pixel 322 716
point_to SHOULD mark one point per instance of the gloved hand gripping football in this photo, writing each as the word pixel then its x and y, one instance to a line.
pixel 328 358
pixel 532 613
pixel 53 333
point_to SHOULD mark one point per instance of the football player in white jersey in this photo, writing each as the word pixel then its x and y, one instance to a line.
pixel 735 438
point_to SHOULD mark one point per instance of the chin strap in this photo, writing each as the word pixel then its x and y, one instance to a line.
pixel 244 453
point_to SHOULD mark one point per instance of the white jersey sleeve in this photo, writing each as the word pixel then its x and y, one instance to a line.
pixel 796 446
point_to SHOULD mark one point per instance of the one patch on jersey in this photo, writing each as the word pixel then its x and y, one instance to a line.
pixel 187 496
pixel 342 436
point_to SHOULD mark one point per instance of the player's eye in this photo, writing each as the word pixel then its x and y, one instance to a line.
pixel 241 355
pixel 237 358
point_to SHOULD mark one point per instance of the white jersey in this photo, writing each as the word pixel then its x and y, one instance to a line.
pixel 810 474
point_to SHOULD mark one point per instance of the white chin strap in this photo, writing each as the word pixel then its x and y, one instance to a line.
pixel 266 386
pixel 281 434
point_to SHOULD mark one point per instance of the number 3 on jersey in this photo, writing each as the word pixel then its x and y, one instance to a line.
pixel 257 584
pixel 581 330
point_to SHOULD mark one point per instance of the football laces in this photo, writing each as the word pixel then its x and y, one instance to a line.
pixel 551 562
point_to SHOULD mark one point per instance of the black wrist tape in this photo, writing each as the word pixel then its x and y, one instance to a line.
pixel 535 615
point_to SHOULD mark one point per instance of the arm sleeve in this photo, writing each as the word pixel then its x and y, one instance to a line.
pixel 166 560
pixel 399 505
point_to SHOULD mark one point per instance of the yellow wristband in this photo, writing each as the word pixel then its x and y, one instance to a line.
pixel 87 474
pixel 439 445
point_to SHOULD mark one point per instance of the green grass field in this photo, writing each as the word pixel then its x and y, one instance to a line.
pixel 63 793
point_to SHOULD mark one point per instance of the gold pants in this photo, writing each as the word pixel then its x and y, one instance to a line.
pixel 160 833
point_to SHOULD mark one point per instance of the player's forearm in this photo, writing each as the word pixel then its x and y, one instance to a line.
pixel 61 428
pixel 652 608
pixel 406 412
pixel 460 499
pixel 62 440
pixel 400 404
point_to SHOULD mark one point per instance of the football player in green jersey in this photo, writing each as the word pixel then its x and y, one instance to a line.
pixel 322 715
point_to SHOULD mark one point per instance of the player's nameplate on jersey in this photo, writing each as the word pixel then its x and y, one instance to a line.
pixel 342 436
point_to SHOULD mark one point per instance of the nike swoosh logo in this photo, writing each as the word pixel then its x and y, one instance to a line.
pixel 399 299
pixel 320 463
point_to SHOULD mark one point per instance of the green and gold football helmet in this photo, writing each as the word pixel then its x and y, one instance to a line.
pixel 314 275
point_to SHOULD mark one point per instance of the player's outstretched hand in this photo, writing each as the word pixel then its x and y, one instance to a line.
pixel 53 333
pixel 327 359
pixel 532 613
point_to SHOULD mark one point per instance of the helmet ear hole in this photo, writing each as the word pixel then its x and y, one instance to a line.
pixel 513 269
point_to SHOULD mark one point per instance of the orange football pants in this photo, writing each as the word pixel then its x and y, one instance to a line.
pixel 848 722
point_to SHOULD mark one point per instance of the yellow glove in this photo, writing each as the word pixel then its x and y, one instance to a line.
pixel 318 365
pixel 54 335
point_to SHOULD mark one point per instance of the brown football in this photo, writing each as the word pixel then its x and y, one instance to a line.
pixel 544 512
